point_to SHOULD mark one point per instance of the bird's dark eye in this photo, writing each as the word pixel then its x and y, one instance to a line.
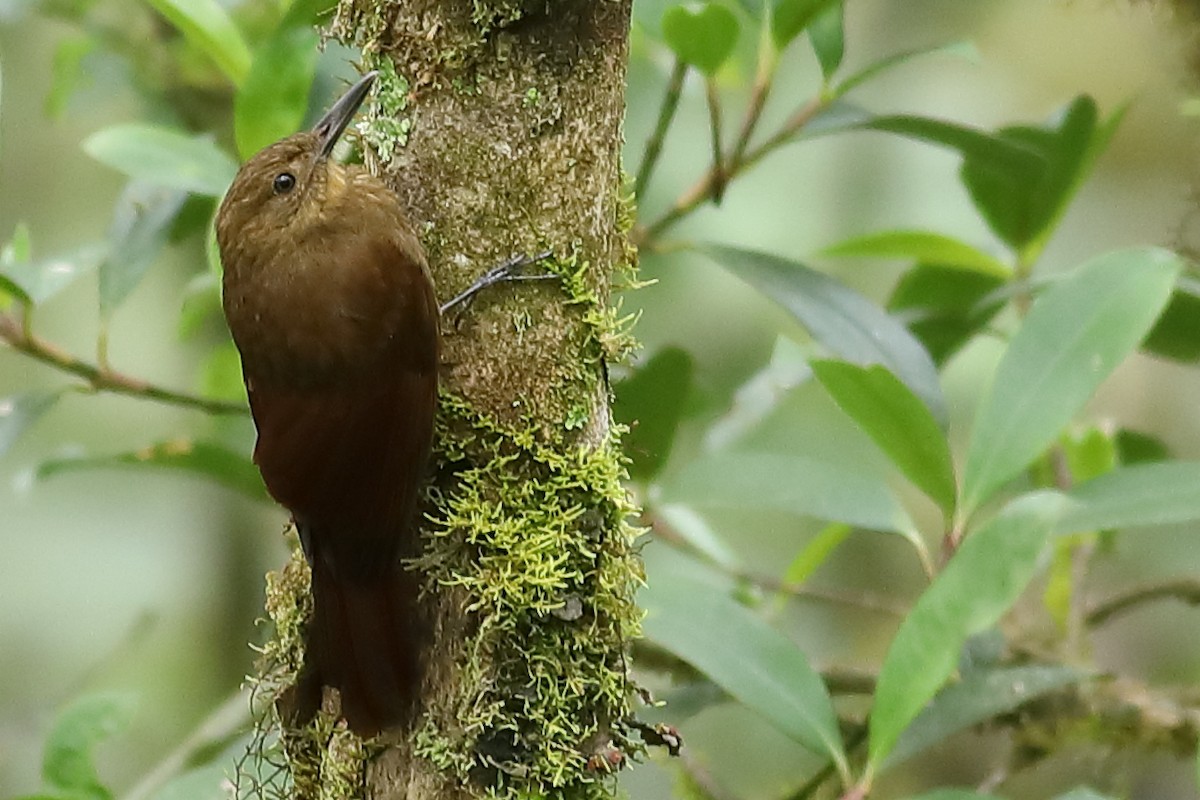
pixel 284 183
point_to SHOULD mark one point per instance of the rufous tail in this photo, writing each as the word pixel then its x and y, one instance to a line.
pixel 364 639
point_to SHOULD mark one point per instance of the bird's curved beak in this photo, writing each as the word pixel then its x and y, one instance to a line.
pixel 330 127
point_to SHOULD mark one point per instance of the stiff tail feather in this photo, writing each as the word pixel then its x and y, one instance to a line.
pixel 364 639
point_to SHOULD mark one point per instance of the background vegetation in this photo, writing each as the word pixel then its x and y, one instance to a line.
pixel 800 503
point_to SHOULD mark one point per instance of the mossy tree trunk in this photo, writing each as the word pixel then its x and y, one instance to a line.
pixel 498 122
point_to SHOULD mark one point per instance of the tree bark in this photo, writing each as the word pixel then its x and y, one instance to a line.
pixel 498 122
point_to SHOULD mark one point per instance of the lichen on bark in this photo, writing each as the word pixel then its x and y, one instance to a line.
pixel 498 122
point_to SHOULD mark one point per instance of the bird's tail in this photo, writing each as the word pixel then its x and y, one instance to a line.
pixel 364 639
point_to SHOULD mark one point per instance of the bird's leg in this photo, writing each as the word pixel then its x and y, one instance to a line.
pixel 508 271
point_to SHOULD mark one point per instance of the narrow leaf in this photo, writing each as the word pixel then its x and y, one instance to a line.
pixel 207 27
pixel 982 580
pixel 1074 336
pixel 19 412
pixel 815 553
pixel 790 18
pixel 961 49
pixel 841 319
pixel 828 37
pixel 651 402
pixel 68 72
pixel 791 483
pixel 1016 159
pixel 272 102
pixel 1135 496
pixel 761 393
pixel 702 35
pixel 897 421
pixel 1083 793
pixel 41 279
pixel 924 246
pixel 1022 207
pixel 67 764
pixel 980 696
pixel 140 228
pixel 206 459
pixel 743 655
pixel 164 157
pixel 945 306
pixel 1176 334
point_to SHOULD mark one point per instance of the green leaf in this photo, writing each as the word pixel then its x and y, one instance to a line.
pixel 897 421
pixel 743 655
pixel 791 483
pixel 205 459
pixel 761 393
pixel 1176 335
pixel 67 764
pixel 68 71
pixel 1022 207
pixel 979 697
pixel 841 319
pixel 698 534
pixel 140 228
pixel 208 28
pixel 1135 496
pixel 1135 447
pixel 1083 793
pixel 37 281
pixel 790 18
pixel 164 157
pixel 702 35
pixel 652 402
pixel 1074 336
pixel 945 306
pixel 221 378
pixel 982 580
pixel 962 49
pixel 1018 160
pixel 815 553
pixel 16 253
pixel 828 38
pixel 923 246
pixel 19 412
pixel 201 302
pixel 271 104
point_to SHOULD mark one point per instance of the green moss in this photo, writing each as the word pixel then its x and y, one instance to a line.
pixel 385 126
pixel 537 538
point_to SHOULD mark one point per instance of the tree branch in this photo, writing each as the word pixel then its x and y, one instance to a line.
pixel 102 379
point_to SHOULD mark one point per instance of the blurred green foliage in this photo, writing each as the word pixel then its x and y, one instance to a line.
pixel 1005 382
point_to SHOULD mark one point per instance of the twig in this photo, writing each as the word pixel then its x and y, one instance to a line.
pixel 666 113
pixel 703 189
pixel 1185 590
pixel 763 79
pixel 15 336
pixel 860 600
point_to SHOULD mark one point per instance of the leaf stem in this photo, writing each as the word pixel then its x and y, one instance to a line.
pixel 714 125
pixel 16 336
pixel 666 113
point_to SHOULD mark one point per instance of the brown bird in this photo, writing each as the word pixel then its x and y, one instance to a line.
pixel 332 307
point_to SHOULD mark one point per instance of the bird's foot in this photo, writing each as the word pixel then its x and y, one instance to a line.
pixel 510 270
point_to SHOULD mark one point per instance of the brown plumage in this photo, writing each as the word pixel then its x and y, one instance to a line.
pixel 330 303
